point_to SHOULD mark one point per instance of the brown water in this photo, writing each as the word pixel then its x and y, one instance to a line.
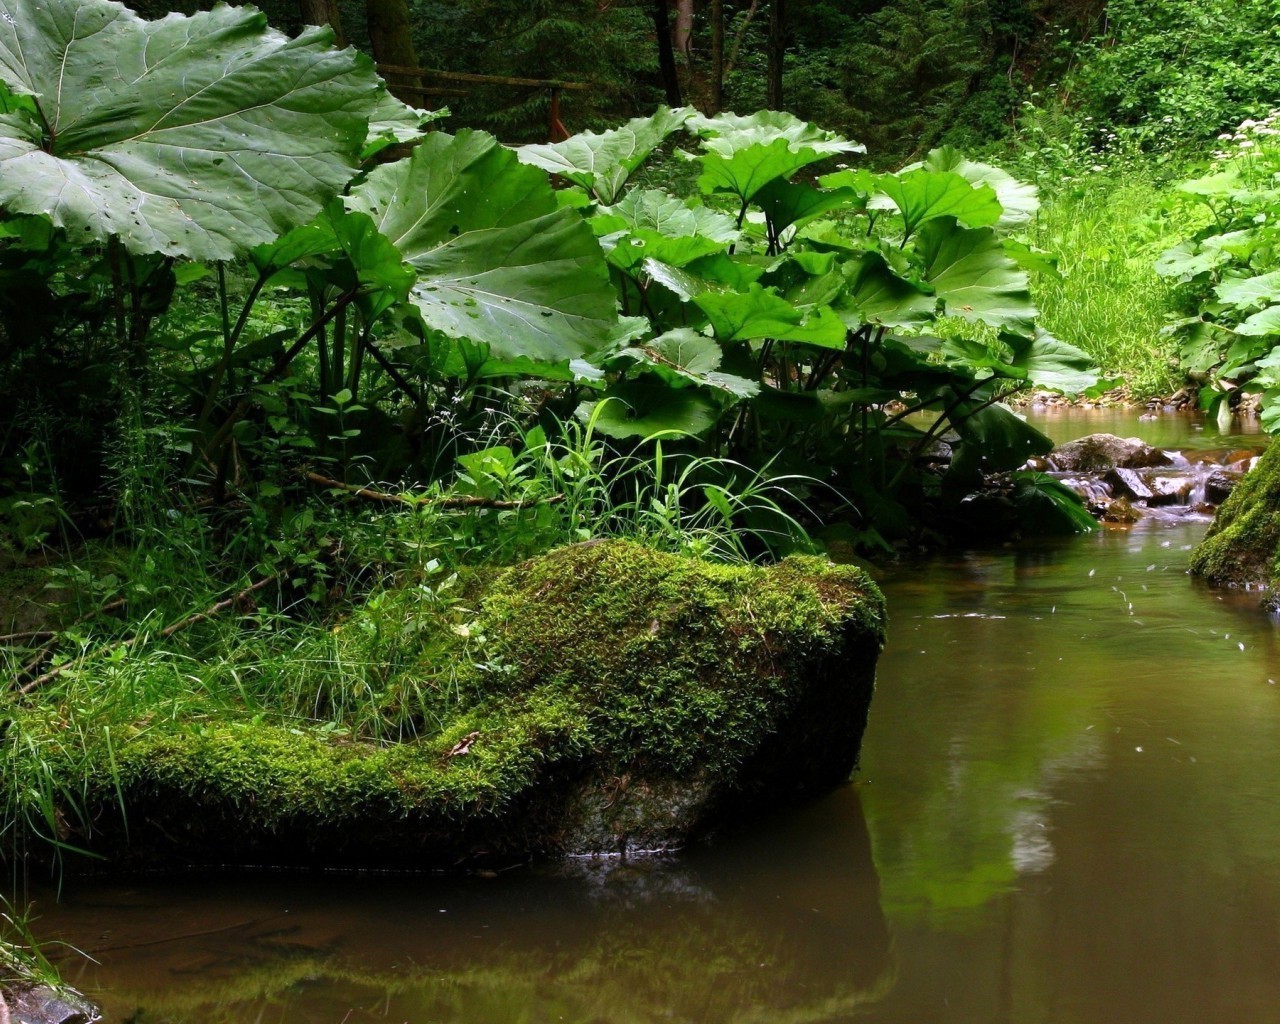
pixel 1067 812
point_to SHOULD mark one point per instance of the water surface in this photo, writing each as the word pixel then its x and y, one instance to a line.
pixel 1067 812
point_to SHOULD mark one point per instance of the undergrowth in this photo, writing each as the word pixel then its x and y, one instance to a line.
pixel 298 615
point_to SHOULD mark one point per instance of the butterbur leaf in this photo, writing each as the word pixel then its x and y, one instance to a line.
pixel 685 356
pixel 1048 362
pixel 647 408
pixel 744 154
pixel 973 275
pixel 1018 199
pixel 789 202
pixel 660 227
pixel 1186 261
pixel 395 123
pixel 1250 292
pixel 499 261
pixel 1264 322
pixel 1046 505
pixel 760 313
pixel 875 294
pixel 923 195
pixel 199 137
pixel 602 163
pixel 996 436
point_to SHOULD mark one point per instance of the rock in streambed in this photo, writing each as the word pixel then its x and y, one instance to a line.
pixel 603 698
pixel 34 1003
pixel 1242 546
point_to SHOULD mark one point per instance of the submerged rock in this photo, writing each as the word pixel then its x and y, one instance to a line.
pixel 1242 546
pixel 1101 453
pixel 32 1003
pixel 603 698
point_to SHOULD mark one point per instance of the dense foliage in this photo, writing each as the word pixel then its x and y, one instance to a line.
pixel 1230 272
pixel 773 318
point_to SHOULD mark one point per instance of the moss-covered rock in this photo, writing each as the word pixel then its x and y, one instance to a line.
pixel 1242 546
pixel 605 698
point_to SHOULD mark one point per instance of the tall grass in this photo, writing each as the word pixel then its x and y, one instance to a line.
pixel 1108 228
pixel 355 600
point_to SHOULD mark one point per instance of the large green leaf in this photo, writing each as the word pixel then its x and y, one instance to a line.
pixel 198 137
pixel 760 313
pixel 684 356
pixel 977 280
pixel 877 295
pixel 602 163
pixel 923 195
pixel 744 154
pixel 789 202
pixel 1049 362
pixel 1018 200
pixel 1265 321
pixel 499 262
pixel 648 408
pixel 660 227
pixel 1250 292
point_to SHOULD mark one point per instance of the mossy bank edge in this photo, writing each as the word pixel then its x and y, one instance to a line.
pixel 603 698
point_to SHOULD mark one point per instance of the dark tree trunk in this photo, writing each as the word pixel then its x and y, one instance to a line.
pixel 392 43
pixel 715 99
pixel 324 12
pixel 666 54
pixel 777 51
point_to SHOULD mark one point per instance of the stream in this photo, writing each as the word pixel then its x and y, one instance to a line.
pixel 1066 812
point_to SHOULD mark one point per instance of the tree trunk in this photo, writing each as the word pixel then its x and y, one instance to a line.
pixel 715 99
pixel 777 51
pixel 324 12
pixel 392 43
pixel 682 33
pixel 666 55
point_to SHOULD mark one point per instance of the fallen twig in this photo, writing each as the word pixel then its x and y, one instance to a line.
pixel 168 631
pixel 455 501
pixel 51 636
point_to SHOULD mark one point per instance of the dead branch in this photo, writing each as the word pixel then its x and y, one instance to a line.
pixel 52 636
pixel 455 501
pixel 168 631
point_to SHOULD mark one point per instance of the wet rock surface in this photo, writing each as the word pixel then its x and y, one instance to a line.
pixel 1102 453
pixel 28 1003
pixel 1121 480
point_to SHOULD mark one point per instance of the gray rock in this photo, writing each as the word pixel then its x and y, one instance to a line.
pixel 1219 484
pixel 1169 489
pixel 1101 453
pixel 30 1003
pixel 1128 483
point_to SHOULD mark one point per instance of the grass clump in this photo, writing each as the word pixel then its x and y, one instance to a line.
pixel 1109 227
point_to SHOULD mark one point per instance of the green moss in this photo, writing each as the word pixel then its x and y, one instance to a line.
pixel 1242 547
pixel 600 668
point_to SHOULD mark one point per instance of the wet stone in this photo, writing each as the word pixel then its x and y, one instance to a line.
pixel 1219 484
pixel 1129 483
pixel 41 1004
pixel 1169 490
pixel 1100 453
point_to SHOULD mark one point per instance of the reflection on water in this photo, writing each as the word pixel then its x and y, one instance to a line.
pixel 1066 812
pixel 782 927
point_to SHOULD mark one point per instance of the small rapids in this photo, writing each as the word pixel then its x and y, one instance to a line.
pixel 1190 484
